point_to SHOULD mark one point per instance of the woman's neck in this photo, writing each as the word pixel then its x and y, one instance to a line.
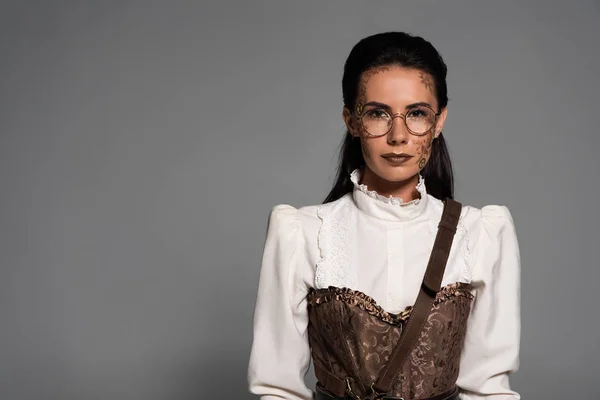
pixel 406 190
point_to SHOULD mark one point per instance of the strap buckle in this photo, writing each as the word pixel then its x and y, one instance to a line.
pixel 375 395
pixel 349 391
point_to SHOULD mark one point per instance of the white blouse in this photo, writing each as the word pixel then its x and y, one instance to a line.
pixel 381 246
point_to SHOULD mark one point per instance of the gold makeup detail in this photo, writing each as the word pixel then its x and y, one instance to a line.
pixel 359 108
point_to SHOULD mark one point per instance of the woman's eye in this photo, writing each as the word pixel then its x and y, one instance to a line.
pixel 417 113
pixel 377 113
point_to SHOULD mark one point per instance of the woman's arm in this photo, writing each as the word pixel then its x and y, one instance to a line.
pixel 280 352
pixel 491 351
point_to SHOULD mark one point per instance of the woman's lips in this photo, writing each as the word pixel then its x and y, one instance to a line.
pixel 396 159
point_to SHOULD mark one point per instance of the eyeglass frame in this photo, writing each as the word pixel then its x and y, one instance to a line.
pixel 359 115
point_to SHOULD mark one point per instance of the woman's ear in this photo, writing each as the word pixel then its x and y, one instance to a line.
pixel 351 122
pixel 441 120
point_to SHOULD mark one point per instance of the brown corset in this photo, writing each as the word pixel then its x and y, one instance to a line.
pixel 351 337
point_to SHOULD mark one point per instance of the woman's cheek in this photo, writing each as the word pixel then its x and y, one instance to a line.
pixel 365 148
pixel 423 151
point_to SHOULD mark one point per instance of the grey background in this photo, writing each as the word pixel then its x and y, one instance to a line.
pixel 143 144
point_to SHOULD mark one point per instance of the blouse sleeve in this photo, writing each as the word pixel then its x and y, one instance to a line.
pixel 280 355
pixel 491 350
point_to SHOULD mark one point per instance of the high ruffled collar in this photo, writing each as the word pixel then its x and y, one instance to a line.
pixel 388 208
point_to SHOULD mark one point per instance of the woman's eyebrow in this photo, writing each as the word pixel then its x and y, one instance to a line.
pixel 378 104
pixel 387 107
pixel 420 104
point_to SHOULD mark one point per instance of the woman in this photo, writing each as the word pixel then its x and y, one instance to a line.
pixel 342 282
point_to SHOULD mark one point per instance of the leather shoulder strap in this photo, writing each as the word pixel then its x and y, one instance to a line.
pixel 429 288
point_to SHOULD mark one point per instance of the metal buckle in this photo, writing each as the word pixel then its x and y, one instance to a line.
pixel 381 396
pixel 350 392
pixel 373 396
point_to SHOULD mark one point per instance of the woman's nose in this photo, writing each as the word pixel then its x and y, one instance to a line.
pixel 399 133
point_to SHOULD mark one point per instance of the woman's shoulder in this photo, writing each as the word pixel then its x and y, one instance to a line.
pixel 474 221
pixel 487 217
pixel 483 232
pixel 470 215
pixel 486 227
pixel 307 218
pixel 306 213
pixel 489 221
pixel 288 214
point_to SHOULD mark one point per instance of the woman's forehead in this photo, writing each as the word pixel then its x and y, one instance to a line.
pixel 397 86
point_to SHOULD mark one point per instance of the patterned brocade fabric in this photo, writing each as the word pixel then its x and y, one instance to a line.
pixel 352 337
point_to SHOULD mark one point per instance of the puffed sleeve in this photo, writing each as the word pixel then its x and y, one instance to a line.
pixel 280 354
pixel 491 351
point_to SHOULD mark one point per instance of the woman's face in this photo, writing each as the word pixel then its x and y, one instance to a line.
pixel 396 89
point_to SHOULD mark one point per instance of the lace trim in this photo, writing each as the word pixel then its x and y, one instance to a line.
pixel 466 252
pixel 358 299
pixel 365 302
pixel 462 236
pixel 335 241
pixel 395 201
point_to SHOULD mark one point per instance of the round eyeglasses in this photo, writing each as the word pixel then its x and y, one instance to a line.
pixel 378 121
